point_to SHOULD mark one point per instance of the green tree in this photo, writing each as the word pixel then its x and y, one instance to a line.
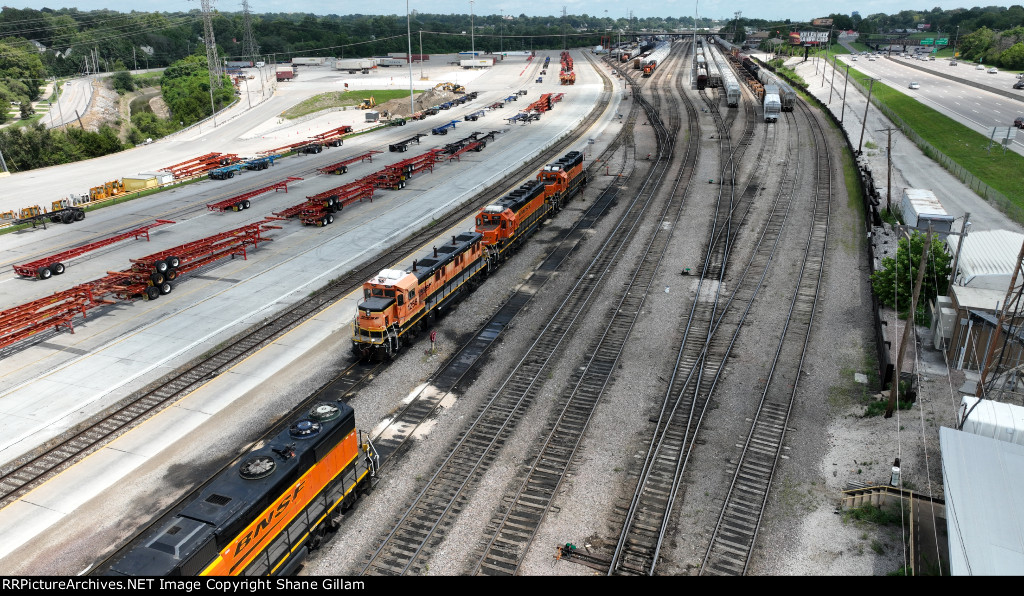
pixel 894 282
pixel 122 82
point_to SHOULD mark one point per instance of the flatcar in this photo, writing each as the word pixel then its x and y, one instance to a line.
pixel 399 303
pixel 264 513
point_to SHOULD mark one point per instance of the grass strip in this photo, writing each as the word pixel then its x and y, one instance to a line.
pixel 999 170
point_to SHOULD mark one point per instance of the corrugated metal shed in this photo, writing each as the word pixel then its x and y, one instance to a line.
pixel 984 485
pixel 987 259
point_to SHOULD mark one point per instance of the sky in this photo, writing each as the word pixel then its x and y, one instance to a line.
pixel 797 10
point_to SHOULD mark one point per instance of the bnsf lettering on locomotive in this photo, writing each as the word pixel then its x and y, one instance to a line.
pixel 255 534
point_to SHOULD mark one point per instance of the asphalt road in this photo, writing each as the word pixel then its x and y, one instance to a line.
pixel 975 108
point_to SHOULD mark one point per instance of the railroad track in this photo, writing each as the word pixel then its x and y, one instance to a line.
pixel 29 471
pixel 735 533
pixel 512 530
pixel 645 519
pixel 408 545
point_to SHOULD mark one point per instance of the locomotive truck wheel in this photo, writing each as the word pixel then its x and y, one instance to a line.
pixel 246 204
pixel 43 273
pixel 165 288
pixel 157 278
pixel 79 215
pixel 172 274
pixel 152 293
pixel 160 266
pixel 173 261
pixel 57 268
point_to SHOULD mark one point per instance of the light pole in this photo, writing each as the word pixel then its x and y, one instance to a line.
pixel 845 83
pixel 472 37
pixel 408 32
pixel 501 36
pixel 957 37
pixel 421 54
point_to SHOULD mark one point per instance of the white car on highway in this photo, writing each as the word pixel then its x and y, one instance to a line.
pixel 914 85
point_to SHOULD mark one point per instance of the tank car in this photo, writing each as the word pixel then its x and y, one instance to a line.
pixel 265 512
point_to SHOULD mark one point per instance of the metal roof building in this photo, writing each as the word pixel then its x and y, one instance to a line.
pixel 984 485
pixel 987 259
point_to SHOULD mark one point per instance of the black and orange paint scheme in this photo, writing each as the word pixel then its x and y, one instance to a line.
pixel 398 303
pixel 264 513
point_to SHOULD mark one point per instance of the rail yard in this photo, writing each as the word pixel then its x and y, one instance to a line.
pixel 607 378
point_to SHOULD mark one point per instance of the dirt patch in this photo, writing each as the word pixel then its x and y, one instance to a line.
pixel 400 107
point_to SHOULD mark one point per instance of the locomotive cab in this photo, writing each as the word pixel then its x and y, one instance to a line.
pixel 493 222
pixel 388 298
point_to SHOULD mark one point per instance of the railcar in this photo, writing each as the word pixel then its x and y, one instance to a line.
pixel 264 513
pixel 702 77
pixel 398 303
pixel 732 90
pixel 772 104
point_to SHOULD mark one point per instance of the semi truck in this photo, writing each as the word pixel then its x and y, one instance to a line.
pixel 920 206
pixel 354 65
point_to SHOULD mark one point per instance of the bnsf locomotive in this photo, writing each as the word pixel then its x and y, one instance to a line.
pixel 263 514
pixel 398 303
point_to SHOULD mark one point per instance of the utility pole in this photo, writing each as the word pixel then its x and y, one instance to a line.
pixel 845 83
pixel 832 84
pixel 959 245
pixel 894 389
pixel 888 179
pixel 865 122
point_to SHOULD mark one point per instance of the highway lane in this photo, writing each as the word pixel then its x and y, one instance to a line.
pixel 73 100
pixel 975 108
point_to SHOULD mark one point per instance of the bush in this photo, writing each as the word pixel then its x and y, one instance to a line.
pixel 122 82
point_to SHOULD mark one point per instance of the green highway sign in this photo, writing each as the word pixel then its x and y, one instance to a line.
pixel 942 42
pixel 927 41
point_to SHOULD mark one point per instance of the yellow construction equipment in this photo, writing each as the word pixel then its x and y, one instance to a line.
pixel 368 103
pixel 31 211
pixel 454 88
pixel 109 189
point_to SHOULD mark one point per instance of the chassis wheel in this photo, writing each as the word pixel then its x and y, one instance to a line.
pixel 152 293
pixel 43 273
pixel 57 268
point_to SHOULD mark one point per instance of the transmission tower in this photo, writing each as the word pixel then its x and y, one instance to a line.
pixel 212 61
pixel 250 49
pixel 1001 371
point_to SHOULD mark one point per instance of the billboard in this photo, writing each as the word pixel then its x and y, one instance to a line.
pixel 822 22
pixel 814 37
pixel 794 38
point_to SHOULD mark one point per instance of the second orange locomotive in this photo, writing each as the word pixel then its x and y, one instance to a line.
pixel 398 303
